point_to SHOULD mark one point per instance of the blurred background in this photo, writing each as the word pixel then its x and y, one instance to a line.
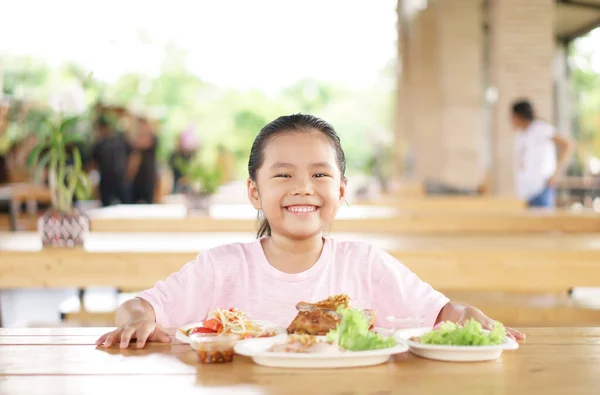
pixel 210 75
pixel 170 96
pixel 207 75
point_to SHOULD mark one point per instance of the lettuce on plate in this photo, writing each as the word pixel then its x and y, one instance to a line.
pixel 353 333
pixel 470 334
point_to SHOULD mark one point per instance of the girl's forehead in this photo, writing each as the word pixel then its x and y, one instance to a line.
pixel 298 145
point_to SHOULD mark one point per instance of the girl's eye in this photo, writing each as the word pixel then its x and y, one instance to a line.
pixel 282 176
pixel 319 175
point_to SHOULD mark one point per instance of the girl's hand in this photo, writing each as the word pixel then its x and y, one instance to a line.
pixel 461 313
pixel 140 330
pixel 486 322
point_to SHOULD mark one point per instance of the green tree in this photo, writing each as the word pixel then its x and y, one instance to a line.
pixel 586 84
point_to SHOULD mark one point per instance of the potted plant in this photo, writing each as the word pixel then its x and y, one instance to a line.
pixel 200 182
pixel 58 157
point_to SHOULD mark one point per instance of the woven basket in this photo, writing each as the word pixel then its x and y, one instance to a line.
pixel 63 230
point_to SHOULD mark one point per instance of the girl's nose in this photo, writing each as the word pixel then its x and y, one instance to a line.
pixel 303 187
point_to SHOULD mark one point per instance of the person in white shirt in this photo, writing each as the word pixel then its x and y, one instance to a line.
pixel 537 166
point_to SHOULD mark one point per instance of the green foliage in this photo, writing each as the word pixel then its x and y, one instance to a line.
pixel 586 84
pixel 23 72
pixel 58 154
pixel 228 117
pixel 199 175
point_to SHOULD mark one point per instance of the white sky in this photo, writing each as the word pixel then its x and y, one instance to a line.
pixel 236 43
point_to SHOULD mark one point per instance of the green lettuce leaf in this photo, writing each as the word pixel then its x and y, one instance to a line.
pixel 353 333
pixel 470 334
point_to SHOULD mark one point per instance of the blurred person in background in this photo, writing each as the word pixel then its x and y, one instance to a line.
pixel 109 156
pixel 537 165
pixel 187 147
pixel 142 167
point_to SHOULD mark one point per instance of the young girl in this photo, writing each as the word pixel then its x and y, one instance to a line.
pixel 297 180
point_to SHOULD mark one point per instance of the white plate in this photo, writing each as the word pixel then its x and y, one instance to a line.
pixel 179 335
pixel 454 353
pixel 257 349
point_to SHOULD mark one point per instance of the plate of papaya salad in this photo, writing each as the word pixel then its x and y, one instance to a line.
pixel 229 322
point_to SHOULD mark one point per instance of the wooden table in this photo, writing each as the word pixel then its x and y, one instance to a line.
pixel 363 219
pixel 450 203
pixel 534 263
pixel 18 193
pixel 65 361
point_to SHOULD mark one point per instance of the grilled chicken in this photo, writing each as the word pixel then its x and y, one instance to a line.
pixel 320 317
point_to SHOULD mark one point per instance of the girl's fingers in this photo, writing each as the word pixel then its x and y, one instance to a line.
pixel 110 338
pixel 162 336
pixel 102 338
pixel 515 334
pixel 487 325
pixel 143 333
pixel 127 335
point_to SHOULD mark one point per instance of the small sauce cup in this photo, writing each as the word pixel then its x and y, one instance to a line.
pixel 214 348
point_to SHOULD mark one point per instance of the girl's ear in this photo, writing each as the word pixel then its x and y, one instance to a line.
pixel 253 194
pixel 343 188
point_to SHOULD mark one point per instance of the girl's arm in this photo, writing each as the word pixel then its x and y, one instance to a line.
pixel 400 293
pixel 566 148
pixel 134 309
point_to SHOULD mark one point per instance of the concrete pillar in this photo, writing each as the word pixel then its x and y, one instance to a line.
pixel 521 65
pixel 402 111
pixel 460 56
pixel 445 89
pixel 406 86
pixel 425 97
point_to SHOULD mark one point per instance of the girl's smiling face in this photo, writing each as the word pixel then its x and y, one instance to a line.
pixel 299 186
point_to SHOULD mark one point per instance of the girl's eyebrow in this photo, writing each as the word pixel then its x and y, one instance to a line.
pixel 278 165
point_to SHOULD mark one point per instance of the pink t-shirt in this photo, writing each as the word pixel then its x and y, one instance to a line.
pixel 239 275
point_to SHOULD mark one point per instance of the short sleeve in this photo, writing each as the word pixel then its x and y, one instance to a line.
pixel 398 292
pixel 543 132
pixel 185 296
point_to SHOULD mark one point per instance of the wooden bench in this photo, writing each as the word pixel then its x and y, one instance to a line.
pixel 363 219
pixel 450 203
pixel 453 263
pixel 461 264
pixel 522 309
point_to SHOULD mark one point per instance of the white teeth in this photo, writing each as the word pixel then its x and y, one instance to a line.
pixel 302 209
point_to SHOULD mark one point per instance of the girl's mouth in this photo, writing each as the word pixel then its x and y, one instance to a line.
pixel 301 210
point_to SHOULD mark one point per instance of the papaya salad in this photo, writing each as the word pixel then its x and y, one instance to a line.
pixel 230 322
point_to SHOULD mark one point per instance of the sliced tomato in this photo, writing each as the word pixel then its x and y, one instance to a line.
pixel 201 329
pixel 213 324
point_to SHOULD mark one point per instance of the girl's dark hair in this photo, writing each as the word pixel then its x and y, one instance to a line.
pixel 523 109
pixel 291 123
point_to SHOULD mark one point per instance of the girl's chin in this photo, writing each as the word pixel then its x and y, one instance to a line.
pixel 299 234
